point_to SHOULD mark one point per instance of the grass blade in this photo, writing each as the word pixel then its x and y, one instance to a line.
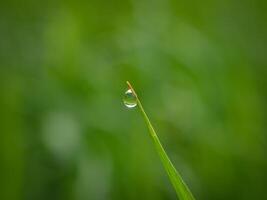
pixel 179 185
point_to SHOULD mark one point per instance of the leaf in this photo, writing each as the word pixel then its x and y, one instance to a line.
pixel 179 185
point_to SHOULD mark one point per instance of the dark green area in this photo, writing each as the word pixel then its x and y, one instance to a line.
pixel 199 67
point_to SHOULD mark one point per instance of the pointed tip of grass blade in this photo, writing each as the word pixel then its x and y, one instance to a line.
pixel 131 87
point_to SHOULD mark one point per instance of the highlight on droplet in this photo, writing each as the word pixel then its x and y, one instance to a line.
pixel 129 99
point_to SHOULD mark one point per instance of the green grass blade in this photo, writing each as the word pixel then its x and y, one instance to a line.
pixel 179 185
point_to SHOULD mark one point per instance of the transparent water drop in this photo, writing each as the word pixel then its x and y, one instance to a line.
pixel 129 99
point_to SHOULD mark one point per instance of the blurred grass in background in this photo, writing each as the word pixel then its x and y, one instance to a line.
pixel 198 66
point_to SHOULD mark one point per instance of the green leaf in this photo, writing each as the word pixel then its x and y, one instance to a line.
pixel 179 185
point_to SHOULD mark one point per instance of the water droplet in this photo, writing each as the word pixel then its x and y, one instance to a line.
pixel 129 99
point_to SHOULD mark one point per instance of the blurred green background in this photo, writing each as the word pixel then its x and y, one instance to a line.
pixel 199 67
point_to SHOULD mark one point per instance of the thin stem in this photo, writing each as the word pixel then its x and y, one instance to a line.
pixel 181 188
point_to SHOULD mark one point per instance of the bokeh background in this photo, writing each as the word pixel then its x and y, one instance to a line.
pixel 199 68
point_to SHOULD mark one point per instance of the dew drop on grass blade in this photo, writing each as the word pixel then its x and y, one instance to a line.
pixel 131 100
